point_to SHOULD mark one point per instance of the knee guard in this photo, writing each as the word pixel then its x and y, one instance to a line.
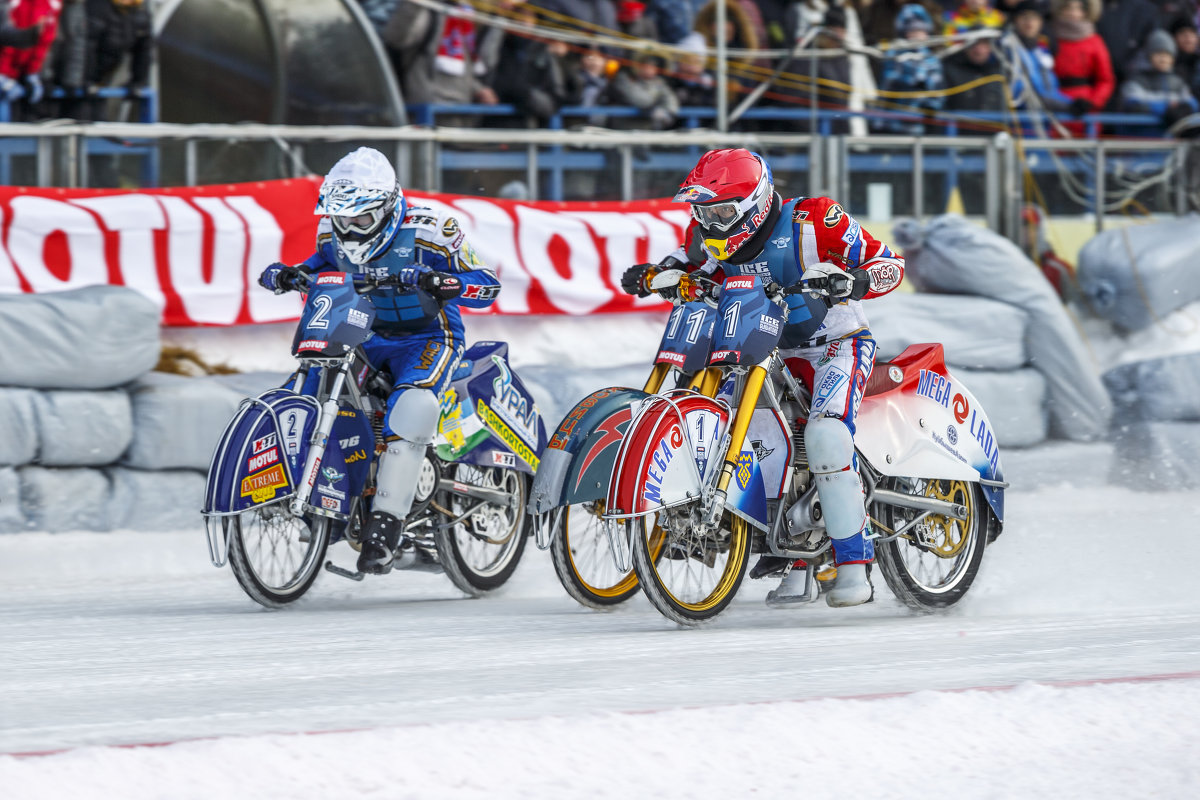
pixel 413 418
pixel 413 415
pixel 830 449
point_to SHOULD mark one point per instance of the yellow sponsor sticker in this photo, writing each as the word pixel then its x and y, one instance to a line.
pixel 261 486
pixel 506 435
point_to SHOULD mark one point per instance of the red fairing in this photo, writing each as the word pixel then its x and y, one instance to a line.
pixel 841 240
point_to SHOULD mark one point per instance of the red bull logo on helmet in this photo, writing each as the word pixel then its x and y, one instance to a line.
pixel 694 194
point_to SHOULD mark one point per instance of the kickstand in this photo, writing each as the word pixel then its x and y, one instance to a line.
pixel 345 573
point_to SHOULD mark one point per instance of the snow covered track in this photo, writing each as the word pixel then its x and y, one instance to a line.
pixel 127 638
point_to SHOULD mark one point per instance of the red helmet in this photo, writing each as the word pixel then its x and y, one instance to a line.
pixel 731 193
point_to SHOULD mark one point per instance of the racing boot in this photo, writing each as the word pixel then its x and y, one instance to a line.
pixel 797 587
pixel 851 587
pixel 379 543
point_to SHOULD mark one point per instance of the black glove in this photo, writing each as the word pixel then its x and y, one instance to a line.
pixel 1079 106
pixel 636 279
pixel 279 278
pixel 441 285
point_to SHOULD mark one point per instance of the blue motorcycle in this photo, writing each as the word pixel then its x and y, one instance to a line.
pixel 295 469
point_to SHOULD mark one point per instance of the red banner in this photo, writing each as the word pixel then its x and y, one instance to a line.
pixel 197 252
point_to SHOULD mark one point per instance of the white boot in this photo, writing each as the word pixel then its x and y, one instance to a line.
pixel 793 590
pixel 851 587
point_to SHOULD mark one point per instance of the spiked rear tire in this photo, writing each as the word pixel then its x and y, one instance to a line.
pixel 933 565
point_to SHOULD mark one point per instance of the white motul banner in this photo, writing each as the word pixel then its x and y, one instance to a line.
pixel 197 252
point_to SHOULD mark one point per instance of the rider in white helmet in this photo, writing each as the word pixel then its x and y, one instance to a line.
pixel 367 226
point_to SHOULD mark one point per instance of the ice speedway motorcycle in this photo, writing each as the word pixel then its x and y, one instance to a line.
pixel 295 470
pixel 673 490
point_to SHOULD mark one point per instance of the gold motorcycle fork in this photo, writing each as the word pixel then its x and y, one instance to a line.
pixel 657 376
pixel 741 424
pixel 708 381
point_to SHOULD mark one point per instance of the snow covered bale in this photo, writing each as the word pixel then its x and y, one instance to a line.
pixel 1157 456
pixel 1015 403
pixel 59 500
pixel 82 429
pixel 166 500
pixel 952 255
pixel 1164 389
pixel 1135 275
pixel 252 384
pixel 97 337
pixel 976 333
pixel 177 420
pixel 18 427
pixel 557 390
pixel 12 518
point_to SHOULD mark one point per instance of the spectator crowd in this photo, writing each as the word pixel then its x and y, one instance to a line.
pixel 903 60
pixel 56 55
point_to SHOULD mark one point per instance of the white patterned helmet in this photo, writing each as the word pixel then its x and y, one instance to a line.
pixel 364 203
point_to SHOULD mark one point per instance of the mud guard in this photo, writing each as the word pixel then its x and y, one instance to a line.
pixel 259 457
pixel 578 462
pixel 672 451
pixel 918 419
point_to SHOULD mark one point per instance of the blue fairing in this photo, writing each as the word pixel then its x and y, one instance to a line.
pixel 504 407
pixel 335 319
pixel 687 337
pixel 748 324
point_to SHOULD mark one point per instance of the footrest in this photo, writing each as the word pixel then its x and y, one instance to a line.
pixel 345 573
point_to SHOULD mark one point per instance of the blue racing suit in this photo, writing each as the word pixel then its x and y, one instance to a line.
pixel 418 349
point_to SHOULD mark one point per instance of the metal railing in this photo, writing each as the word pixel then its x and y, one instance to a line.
pixel 635 163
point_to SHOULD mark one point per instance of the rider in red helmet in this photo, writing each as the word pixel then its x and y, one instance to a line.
pixel 740 226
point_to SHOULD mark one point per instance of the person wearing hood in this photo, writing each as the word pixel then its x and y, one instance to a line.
pixel 912 69
pixel 1158 90
pixel 1033 81
pixel 1125 26
pixel 971 64
pixel 1081 59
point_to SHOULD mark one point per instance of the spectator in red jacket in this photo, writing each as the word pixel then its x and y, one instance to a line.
pixel 1081 63
pixel 19 66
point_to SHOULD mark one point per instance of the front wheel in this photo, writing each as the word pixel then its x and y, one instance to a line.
pixel 581 550
pixel 480 551
pixel 934 562
pixel 275 556
pixel 696 575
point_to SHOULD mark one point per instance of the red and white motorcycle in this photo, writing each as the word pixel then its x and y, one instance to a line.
pixel 697 478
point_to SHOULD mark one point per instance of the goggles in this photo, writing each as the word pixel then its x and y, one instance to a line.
pixel 363 224
pixel 717 216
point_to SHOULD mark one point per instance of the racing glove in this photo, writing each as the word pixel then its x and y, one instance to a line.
pixel 442 285
pixel 826 280
pixel 636 280
pixel 279 278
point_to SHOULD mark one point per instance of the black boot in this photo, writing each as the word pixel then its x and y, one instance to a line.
pixel 379 542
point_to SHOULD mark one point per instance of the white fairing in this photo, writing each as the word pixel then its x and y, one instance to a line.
pixel 671 472
pixel 937 431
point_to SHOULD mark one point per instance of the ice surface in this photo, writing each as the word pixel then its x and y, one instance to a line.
pixel 131 637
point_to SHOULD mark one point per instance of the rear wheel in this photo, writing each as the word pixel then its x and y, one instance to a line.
pixel 697 575
pixel 275 556
pixel 481 551
pixel 932 564
pixel 582 554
